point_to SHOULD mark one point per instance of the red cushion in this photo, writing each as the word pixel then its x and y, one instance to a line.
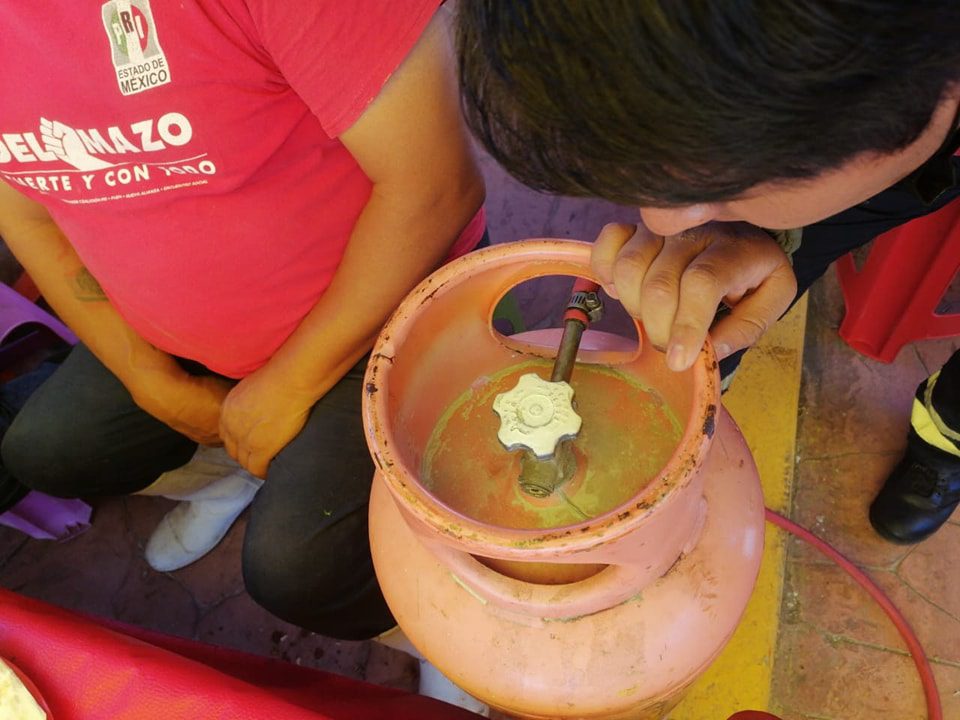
pixel 88 671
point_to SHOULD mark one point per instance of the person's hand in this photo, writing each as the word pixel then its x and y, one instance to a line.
pixel 675 284
pixel 259 417
pixel 189 404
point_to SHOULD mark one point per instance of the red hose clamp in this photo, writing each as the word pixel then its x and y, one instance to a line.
pixel 585 303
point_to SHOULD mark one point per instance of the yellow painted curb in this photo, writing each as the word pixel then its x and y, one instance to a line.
pixel 763 400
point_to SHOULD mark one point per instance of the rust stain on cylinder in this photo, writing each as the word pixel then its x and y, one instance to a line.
pixel 710 421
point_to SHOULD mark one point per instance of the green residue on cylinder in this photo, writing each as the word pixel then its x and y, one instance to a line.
pixel 628 435
pixel 482 600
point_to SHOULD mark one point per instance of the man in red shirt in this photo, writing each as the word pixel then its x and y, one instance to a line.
pixel 225 199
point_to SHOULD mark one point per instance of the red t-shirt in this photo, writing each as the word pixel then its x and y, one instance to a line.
pixel 188 151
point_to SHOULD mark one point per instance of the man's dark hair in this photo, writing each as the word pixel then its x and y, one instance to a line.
pixel 669 102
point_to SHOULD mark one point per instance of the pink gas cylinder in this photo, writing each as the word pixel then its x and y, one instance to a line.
pixel 605 598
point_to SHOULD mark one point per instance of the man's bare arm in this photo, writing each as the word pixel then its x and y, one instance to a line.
pixel 413 146
pixel 86 287
pixel 157 384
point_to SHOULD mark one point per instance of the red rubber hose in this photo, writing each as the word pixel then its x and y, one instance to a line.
pixel 927 680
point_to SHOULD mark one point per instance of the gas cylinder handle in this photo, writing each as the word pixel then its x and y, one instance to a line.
pixel 621 580
pixel 609 587
pixel 512 264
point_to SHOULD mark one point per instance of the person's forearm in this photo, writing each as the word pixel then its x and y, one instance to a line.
pixel 190 405
pixel 78 299
pixel 394 245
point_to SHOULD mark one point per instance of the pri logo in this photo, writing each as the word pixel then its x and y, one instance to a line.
pixel 136 53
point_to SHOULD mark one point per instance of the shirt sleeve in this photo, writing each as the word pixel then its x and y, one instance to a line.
pixel 338 54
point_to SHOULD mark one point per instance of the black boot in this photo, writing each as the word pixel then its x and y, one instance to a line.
pixel 919 495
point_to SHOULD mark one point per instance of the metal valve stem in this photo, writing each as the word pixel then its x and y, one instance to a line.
pixel 547 460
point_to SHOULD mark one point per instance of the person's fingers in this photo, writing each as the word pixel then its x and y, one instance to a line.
pixel 257 464
pixel 675 284
pixel 238 447
pixel 603 255
pixel 198 435
pixel 749 319
pixel 702 286
pixel 250 459
pixel 660 294
pixel 747 265
pixel 229 442
pixel 630 271
pixel 209 439
pixel 243 457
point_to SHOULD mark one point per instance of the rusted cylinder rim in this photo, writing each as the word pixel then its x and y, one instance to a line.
pixel 543 257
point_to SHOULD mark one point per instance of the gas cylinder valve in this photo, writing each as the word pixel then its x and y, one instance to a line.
pixel 536 415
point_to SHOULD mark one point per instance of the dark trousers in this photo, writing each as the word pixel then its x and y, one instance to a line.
pixel 13 396
pixel 834 237
pixel 306 556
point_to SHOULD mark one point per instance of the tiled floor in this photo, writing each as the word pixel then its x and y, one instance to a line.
pixel 838 658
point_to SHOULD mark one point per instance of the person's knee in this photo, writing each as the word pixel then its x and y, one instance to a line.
pixel 281 579
pixel 40 456
pixel 272 578
pixel 323 582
